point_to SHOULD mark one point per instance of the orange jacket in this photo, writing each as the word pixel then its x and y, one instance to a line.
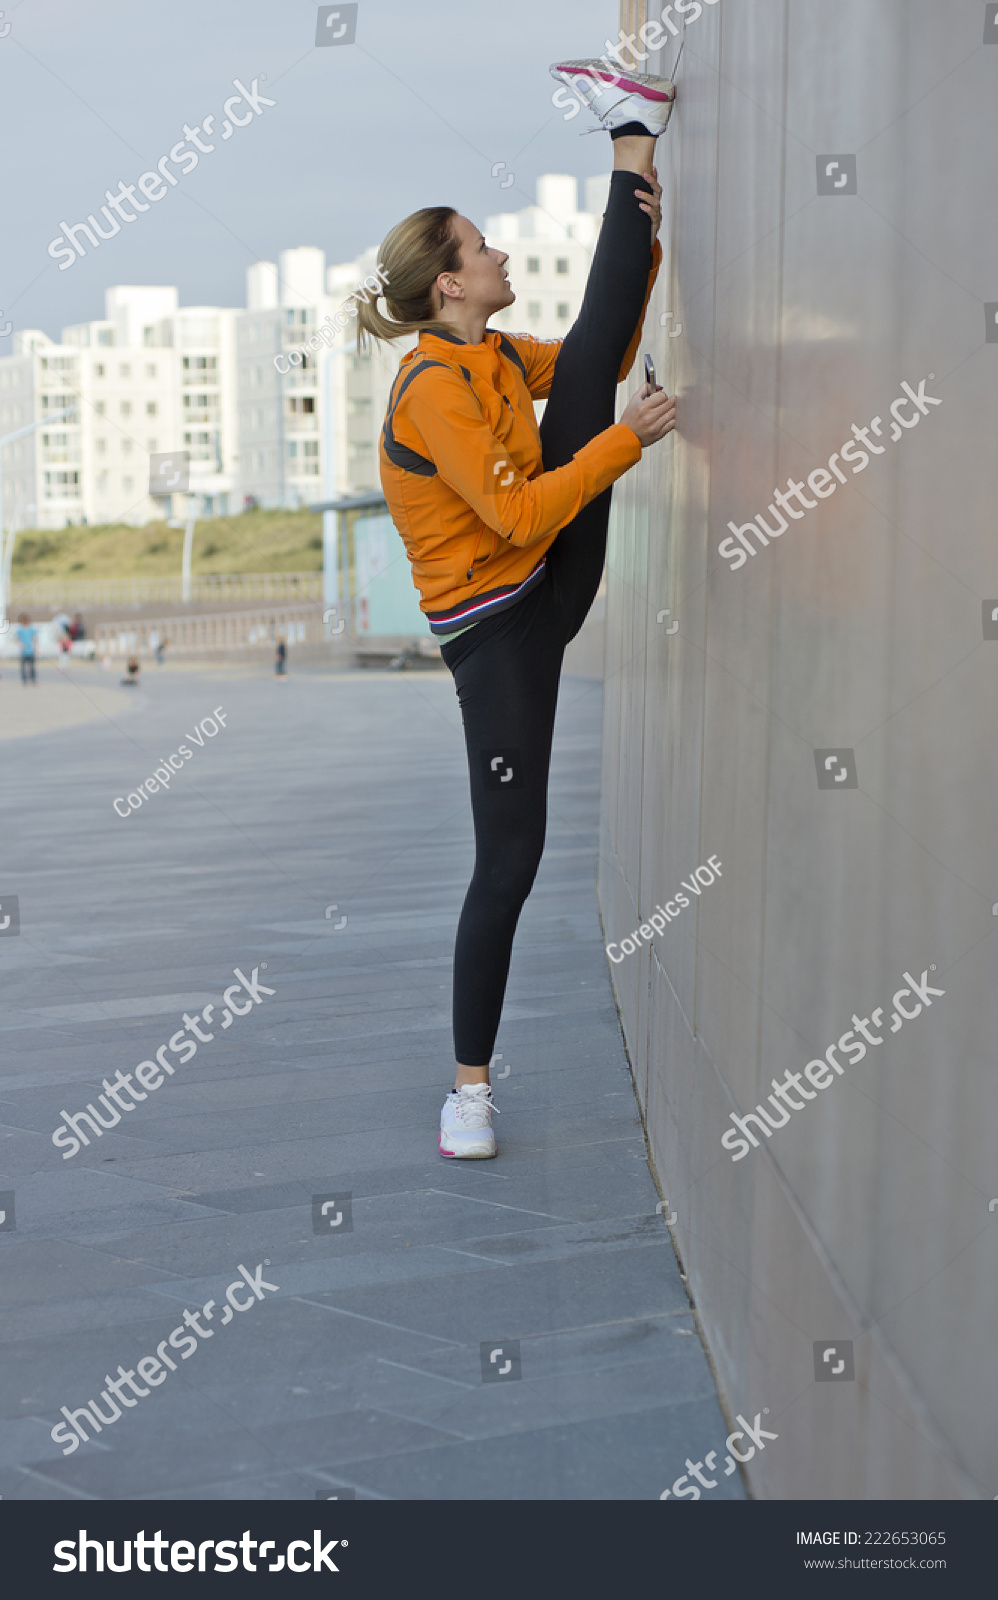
pixel 462 473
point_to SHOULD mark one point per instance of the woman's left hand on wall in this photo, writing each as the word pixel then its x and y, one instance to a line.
pixel 652 204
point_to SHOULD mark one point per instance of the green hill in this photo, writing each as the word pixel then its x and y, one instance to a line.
pixel 254 541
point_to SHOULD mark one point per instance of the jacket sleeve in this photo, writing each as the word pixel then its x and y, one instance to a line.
pixel 443 412
pixel 538 357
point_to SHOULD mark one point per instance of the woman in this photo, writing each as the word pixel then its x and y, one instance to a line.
pixel 505 524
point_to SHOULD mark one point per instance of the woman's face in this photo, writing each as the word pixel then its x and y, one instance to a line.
pixel 480 283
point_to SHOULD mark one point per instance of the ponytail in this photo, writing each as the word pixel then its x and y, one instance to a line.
pixel 410 260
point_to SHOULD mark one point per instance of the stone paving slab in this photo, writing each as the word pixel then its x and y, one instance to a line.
pixel 362 1372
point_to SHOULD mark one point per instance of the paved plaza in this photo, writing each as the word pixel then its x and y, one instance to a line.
pixel 515 1329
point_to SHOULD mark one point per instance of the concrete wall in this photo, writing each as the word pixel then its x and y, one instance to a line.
pixel 866 1217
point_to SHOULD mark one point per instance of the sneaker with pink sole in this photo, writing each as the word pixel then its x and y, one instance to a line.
pixel 617 95
pixel 466 1123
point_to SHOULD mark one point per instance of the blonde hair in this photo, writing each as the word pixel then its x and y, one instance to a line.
pixel 411 257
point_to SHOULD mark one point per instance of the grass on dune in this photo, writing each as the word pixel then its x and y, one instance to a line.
pixel 252 541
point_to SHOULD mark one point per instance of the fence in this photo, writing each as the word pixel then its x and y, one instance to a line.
pixel 225 630
pixel 77 594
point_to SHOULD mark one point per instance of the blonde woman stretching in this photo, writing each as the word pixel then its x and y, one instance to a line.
pixel 505 524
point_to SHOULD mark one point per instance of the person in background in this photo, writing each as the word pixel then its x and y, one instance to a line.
pixel 282 658
pixel 161 645
pixel 27 634
pixel 131 678
pixel 64 639
pixel 76 629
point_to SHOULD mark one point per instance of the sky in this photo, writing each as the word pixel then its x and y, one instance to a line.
pixel 416 111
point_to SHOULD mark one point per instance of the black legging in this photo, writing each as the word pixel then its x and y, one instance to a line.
pixel 507 667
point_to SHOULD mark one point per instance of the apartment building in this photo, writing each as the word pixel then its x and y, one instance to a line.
pixel 308 428
pixel 150 376
pixel 311 429
pixel 550 245
pixel 265 415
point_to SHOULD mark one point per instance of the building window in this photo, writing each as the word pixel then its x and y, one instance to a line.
pixel 152 444
pixel 124 371
pixel 310 447
pixel 533 263
pixel 561 264
pixel 105 336
pixel 99 408
pixel 150 408
pixel 126 408
pixel 562 310
pixel 126 447
pixel 150 369
pixel 62 485
pixel 533 310
pixel 98 369
pixel 100 446
pixel 128 484
pixel 302 404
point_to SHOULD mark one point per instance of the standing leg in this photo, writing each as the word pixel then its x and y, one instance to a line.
pixel 508 689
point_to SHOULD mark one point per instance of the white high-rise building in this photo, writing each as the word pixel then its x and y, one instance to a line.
pixel 269 410
pixel 150 376
pixel 310 408
pixel 311 429
pixel 550 246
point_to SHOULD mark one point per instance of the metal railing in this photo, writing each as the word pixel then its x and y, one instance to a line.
pixel 209 633
pixel 79 593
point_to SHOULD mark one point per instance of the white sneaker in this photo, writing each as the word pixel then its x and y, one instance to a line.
pixel 619 96
pixel 466 1123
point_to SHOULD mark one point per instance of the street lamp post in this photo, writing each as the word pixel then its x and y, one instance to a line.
pixel 7 546
pixel 185 560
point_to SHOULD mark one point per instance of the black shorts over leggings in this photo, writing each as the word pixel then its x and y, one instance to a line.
pixel 507 667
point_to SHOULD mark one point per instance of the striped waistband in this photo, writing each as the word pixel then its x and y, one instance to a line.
pixel 478 606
